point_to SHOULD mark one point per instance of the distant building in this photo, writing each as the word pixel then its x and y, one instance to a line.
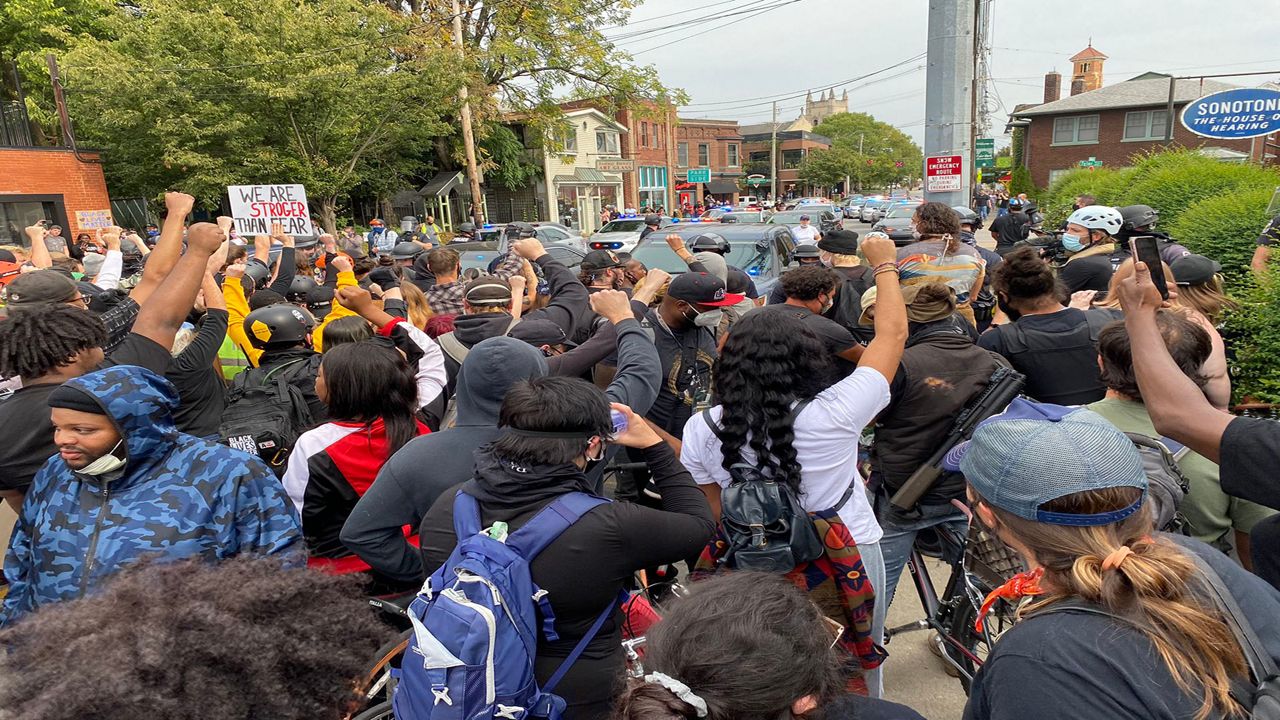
pixel 1111 123
pixel 712 144
pixel 650 143
pixel 793 147
pixel 815 111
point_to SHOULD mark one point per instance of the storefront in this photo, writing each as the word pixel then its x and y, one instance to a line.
pixel 50 184
pixel 652 187
pixel 582 196
pixel 723 189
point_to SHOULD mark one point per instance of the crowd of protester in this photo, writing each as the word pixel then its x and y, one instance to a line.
pixel 218 448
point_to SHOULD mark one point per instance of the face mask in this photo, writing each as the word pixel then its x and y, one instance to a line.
pixel 915 232
pixel 1071 243
pixel 827 259
pixel 826 306
pixel 709 319
pixel 1012 314
pixel 104 464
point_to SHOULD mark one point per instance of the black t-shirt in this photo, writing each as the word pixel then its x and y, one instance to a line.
pixel 26 431
pixel 1087 273
pixel 1249 456
pixel 1009 229
pixel 1072 664
pixel 835 336
pixel 857 707
pixel 199 384
pixel 687 356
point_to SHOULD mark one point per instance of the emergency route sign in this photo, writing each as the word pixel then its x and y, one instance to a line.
pixel 943 173
pixel 256 207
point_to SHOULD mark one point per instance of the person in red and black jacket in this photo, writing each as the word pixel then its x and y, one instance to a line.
pixel 371 394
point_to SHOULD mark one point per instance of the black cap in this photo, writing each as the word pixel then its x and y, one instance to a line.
pixel 807 250
pixel 1194 269
pixel 41 287
pixel 709 242
pixel 840 242
pixel 653 219
pixel 598 260
pixel 520 230
pixel 406 250
pixel 538 332
pixel 7 256
pixel 305 241
pixel 701 289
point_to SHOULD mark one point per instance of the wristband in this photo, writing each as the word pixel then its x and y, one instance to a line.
pixel 884 265
pixel 878 273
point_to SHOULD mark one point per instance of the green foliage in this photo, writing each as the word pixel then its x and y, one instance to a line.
pixel 1106 185
pixel 1253 333
pixel 1224 227
pixel 1172 181
pixel 1020 182
pixel 869 150
pixel 829 167
pixel 505 159
pixel 201 94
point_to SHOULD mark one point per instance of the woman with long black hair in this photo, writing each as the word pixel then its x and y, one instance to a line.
pixel 371 395
pixel 775 411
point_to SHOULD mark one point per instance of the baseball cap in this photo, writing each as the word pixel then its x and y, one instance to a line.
pixel 868 299
pixel 701 289
pixel 539 332
pixel 598 260
pixel 839 242
pixel 488 290
pixel 7 256
pixel 41 286
pixel 1194 269
pixel 1007 459
pixel 804 217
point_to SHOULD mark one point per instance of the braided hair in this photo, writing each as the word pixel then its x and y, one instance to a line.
pixel 38 340
pixel 770 360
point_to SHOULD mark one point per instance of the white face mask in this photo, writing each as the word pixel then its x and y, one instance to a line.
pixel 709 319
pixel 104 464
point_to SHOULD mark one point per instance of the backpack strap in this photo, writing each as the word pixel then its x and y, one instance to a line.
pixel 453 346
pixel 466 516
pixel 1261 665
pixel 581 647
pixel 717 430
pixel 271 373
pixel 546 526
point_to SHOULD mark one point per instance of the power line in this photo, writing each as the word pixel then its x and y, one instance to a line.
pixel 766 9
pixel 629 23
pixel 801 93
pixel 623 38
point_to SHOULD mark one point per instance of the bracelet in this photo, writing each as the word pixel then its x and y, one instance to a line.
pixel 878 273
pixel 883 265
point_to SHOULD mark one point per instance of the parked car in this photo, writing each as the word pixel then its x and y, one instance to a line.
pixel 897 224
pixel 761 250
pixel 549 234
pixel 481 255
pixel 867 213
pixel 621 235
pixel 825 220
pixel 746 216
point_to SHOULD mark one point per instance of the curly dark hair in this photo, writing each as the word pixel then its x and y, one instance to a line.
pixel 769 361
pixel 807 283
pixel 184 641
pixel 780 647
pixel 1024 275
pixel 35 341
pixel 937 220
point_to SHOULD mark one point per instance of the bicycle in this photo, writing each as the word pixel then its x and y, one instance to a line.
pixel 979 564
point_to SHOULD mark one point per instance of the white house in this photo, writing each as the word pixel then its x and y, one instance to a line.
pixel 576 189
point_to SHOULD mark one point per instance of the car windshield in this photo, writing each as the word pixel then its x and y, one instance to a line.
pixel 753 216
pixel 902 211
pixel 741 254
pixel 629 225
pixel 792 217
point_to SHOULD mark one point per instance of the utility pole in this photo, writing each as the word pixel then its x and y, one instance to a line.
pixel 64 119
pixel 468 135
pixel 949 91
pixel 773 156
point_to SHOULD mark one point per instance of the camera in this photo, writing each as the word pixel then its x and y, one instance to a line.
pixel 1050 247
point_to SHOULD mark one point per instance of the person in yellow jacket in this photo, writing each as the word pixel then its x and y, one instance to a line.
pixel 238 308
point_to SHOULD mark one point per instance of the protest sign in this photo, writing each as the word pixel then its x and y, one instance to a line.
pixel 256 207
pixel 93 219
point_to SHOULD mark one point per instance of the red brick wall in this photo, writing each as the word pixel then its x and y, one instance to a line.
pixel 718 137
pixel 54 171
pixel 1043 157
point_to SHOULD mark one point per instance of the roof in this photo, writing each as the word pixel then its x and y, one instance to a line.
pixel 1130 93
pixel 1089 53
pixel 760 128
pixel 442 183
pixel 602 117
pixel 586 175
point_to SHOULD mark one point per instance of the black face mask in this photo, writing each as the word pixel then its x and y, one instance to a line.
pixel 1012 314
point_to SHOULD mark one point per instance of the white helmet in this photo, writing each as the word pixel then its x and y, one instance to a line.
pixel 1097 217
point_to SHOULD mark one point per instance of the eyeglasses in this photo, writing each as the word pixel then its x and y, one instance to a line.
pixel 836 630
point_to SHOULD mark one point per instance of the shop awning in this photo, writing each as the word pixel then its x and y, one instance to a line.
pixel 720 186
pixel 442 183
pixel 585 176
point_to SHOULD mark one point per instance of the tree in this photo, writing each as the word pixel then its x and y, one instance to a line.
pixel 201 94
pixel 880 143
pixel 829 167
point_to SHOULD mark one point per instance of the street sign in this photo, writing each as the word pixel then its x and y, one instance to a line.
pixel 898 163
pixel 1091 163
pixel 699 175
pixel 1234 114
pixel 1004 161
pixel 757 181
pixel 943 173
pixel 984 152
pixel 616 166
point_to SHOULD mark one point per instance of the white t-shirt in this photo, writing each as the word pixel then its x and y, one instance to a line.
pixel 826 443
pixel 805 234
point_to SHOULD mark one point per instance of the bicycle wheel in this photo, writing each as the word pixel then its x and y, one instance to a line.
pixel 967 647
pixel 381 711
pixel 377 684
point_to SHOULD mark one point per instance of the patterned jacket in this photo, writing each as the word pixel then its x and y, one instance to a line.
pixel 177 497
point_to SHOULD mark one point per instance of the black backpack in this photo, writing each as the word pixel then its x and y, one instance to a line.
pixel 764 524
pixel 266 413
pixel 1166 485
pixel 849 303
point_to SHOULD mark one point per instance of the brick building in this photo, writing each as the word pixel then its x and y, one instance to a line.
pixel 650 142
pixel 793 147
pixel 713 144
pixel 1112 123
pixel 43 183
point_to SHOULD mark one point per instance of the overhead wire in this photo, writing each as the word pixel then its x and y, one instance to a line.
pixel 760 12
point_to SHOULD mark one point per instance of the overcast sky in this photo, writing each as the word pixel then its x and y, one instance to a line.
pixel 817 43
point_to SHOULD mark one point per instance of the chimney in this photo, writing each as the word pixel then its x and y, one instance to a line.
pixel 1077 86
pixel 1052 86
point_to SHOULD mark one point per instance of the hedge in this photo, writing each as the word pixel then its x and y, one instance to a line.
pixel 1104 184
pixel 1253 336
pixel 1224 227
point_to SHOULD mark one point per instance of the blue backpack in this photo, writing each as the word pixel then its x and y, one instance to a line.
pixel 475 623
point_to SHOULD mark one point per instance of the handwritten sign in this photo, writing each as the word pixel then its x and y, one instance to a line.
pixel 93 219
pixel 256 207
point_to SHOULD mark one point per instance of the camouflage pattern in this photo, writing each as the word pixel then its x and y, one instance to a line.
pixel 177 497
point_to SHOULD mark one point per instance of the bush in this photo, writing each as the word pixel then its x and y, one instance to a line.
pixel 1106 185
pixel 1253 334
pixel 1224 227
pixel 1174 188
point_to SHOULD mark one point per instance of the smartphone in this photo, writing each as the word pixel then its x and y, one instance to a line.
pixel 1147 250
pixel 619 422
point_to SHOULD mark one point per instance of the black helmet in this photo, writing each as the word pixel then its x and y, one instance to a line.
pixel 653 219
pixel 1138 216
pixel 406 250
pixel 278 326
pixel 968 217
pixel 299 288
pixel 520 230
pixel 257 273
pixel 466 228
pixel 709 242
pixel 806 252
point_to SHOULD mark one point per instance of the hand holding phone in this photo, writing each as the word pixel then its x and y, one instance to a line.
pixel 1147 250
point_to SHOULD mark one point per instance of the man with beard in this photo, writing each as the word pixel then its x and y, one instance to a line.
pixel 600 270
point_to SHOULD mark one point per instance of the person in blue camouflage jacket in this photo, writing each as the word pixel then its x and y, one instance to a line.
pixel 126 486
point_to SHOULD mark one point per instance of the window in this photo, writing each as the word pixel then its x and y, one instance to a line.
pixel 644 134
pixel 658 132
pixel 1075 130
pixel 704 155
pixel 734 160
pixel 568 140
pixel 791 159
pixel 682 154
pixel 607 142
pixel 1084 67
pixel 1146 125
pixel 1055 174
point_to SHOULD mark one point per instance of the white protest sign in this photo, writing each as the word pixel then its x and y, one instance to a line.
pixel 256 207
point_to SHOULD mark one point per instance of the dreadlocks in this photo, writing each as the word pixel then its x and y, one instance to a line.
pixel 35 341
